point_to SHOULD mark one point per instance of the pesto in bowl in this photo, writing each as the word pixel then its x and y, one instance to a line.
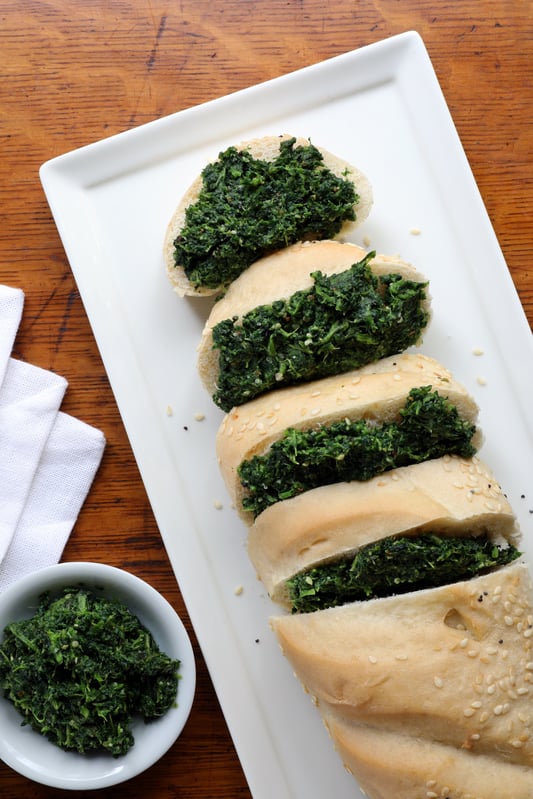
pixel 152 623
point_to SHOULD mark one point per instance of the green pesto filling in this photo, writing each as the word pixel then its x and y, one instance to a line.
pixel 429 426
pixel 342 322
pixel 81 668
pixel 395 566
pixel 248 208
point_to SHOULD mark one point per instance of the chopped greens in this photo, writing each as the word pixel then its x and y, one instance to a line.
pixel 81 668
pixel 429 426
pixel 248 207
pixel 342 322
pixel 395 566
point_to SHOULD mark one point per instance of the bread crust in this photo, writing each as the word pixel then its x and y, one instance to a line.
pixel 392 765
pixel 266 148
pixel 282 274
pixel 447 496
pixel 449 665
pixel 375 392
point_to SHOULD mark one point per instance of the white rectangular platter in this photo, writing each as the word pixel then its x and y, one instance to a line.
pixel 380 108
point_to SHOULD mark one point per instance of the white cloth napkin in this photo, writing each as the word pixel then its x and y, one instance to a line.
pixel 47 459
pixel 29 402
pixel 11 302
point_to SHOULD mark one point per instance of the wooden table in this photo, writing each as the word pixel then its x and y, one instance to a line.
pixel 74 72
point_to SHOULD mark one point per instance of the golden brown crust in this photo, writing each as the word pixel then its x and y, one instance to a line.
pixel 282 274
pixel 448 496
pixel 375 392
pixel 450 665
pixel 266 148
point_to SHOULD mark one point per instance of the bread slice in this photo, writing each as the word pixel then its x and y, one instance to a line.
pixel 446 670
pixel 376 393
pixel 280 276
pixel 447 496
pixel 393 765
pixel 266 148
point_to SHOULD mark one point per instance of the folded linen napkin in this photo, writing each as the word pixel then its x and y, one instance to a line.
pixel 48 459
pixel 11 302
pixel 30 398
pixel 62 481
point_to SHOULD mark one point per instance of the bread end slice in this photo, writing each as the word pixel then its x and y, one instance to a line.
pixel 265 148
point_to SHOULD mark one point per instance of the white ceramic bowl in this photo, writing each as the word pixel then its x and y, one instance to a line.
pixel 30 753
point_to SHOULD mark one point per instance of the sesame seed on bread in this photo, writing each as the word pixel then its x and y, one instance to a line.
pixel 448 496
pixel 376 392
pixel 448 666
pixel 401 766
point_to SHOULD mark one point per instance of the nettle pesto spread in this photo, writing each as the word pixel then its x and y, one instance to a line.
pixel 395 566
pixel 248 207
pixel 82 668
pixel 342 322
pixel 429 426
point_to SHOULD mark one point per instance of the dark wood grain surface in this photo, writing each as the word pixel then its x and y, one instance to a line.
pixel 74 72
